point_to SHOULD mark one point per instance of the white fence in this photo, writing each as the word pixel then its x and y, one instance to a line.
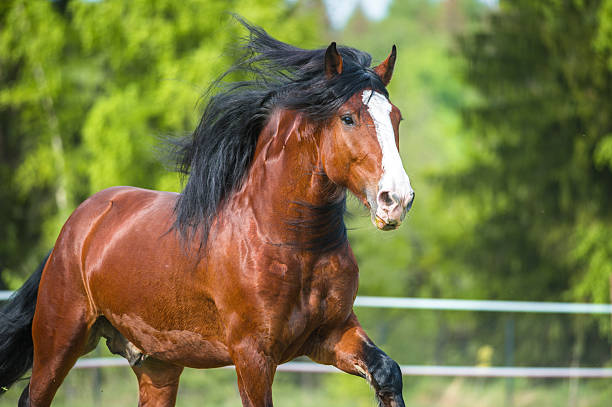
pixel 484 305
pixel 448 305
pixel 412 370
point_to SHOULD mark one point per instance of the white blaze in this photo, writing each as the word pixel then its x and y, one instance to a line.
pixel 394 176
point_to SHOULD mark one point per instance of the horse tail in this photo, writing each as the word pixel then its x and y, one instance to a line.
pixel 16 345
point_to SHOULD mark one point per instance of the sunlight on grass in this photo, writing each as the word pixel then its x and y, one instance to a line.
pixel 217 387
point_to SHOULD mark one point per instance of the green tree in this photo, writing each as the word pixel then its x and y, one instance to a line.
pixel 539 176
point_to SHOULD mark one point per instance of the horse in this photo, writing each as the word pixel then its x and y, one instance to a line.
pixel 250 264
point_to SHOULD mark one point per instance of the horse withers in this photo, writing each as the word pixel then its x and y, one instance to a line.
pixel 250 265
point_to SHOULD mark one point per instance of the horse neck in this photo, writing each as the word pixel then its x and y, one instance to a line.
pixel 292 197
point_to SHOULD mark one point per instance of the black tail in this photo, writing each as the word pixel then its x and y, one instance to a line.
pixel 16 346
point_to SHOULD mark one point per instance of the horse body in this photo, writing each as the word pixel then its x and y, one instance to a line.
pixel 272 277
pixel 112 243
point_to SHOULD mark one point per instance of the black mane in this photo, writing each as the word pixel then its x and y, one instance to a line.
pixel 217 155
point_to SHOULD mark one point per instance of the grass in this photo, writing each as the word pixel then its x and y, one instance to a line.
pixel 117 387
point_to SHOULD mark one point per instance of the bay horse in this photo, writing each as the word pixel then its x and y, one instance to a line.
pixel 250 265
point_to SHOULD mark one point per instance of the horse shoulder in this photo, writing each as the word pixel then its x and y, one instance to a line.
pixel 338 275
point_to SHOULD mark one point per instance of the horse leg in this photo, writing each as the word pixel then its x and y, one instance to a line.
pixel 255 371
pixel 157 383
pixel 349 349
pixel 61 328
pixel 60 337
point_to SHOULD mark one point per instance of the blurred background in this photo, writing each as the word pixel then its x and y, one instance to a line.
pixel 507 139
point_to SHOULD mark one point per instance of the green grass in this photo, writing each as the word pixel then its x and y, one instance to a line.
pixel 118 387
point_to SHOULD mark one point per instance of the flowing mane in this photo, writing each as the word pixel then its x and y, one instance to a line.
pixel 217 156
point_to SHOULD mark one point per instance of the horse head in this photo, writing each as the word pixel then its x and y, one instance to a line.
pixel 360 147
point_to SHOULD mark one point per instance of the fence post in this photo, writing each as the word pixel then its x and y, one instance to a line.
pixel 610 299
pixel 509 357
pixel 96 383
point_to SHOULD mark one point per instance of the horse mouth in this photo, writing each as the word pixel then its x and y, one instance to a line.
pixel 381 224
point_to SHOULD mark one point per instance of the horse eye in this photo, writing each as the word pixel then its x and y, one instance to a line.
pixel 348 120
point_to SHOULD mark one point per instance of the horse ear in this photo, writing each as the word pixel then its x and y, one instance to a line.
pixel 333 61
pixel 385 69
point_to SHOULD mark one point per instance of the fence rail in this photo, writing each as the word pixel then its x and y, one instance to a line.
pixel 412 370
pixel 439 304
pixel 484 305
pixel 465 305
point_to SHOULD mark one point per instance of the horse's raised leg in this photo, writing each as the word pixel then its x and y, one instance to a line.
pixel 255 371
pixel 157 383
pixel 349 349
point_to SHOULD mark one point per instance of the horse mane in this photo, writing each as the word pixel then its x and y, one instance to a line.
pixel 217 156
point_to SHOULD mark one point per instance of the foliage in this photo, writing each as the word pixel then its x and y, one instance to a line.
pixel 538 179
pixel 541 178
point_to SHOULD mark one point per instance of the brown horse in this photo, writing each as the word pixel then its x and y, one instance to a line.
pixel 250 265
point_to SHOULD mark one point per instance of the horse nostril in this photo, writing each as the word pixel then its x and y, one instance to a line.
pixel 385 198
pixel 410 201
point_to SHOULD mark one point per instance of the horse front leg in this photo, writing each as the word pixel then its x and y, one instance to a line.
pixel 255 371
pixel 157 383
pixel 350 349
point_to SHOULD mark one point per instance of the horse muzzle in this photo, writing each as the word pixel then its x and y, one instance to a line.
pixel 391 208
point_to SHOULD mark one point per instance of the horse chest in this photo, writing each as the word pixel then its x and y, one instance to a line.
pixel 325 296
pixel 282 296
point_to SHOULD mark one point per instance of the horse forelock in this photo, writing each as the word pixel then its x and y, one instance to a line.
pixel 216 157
